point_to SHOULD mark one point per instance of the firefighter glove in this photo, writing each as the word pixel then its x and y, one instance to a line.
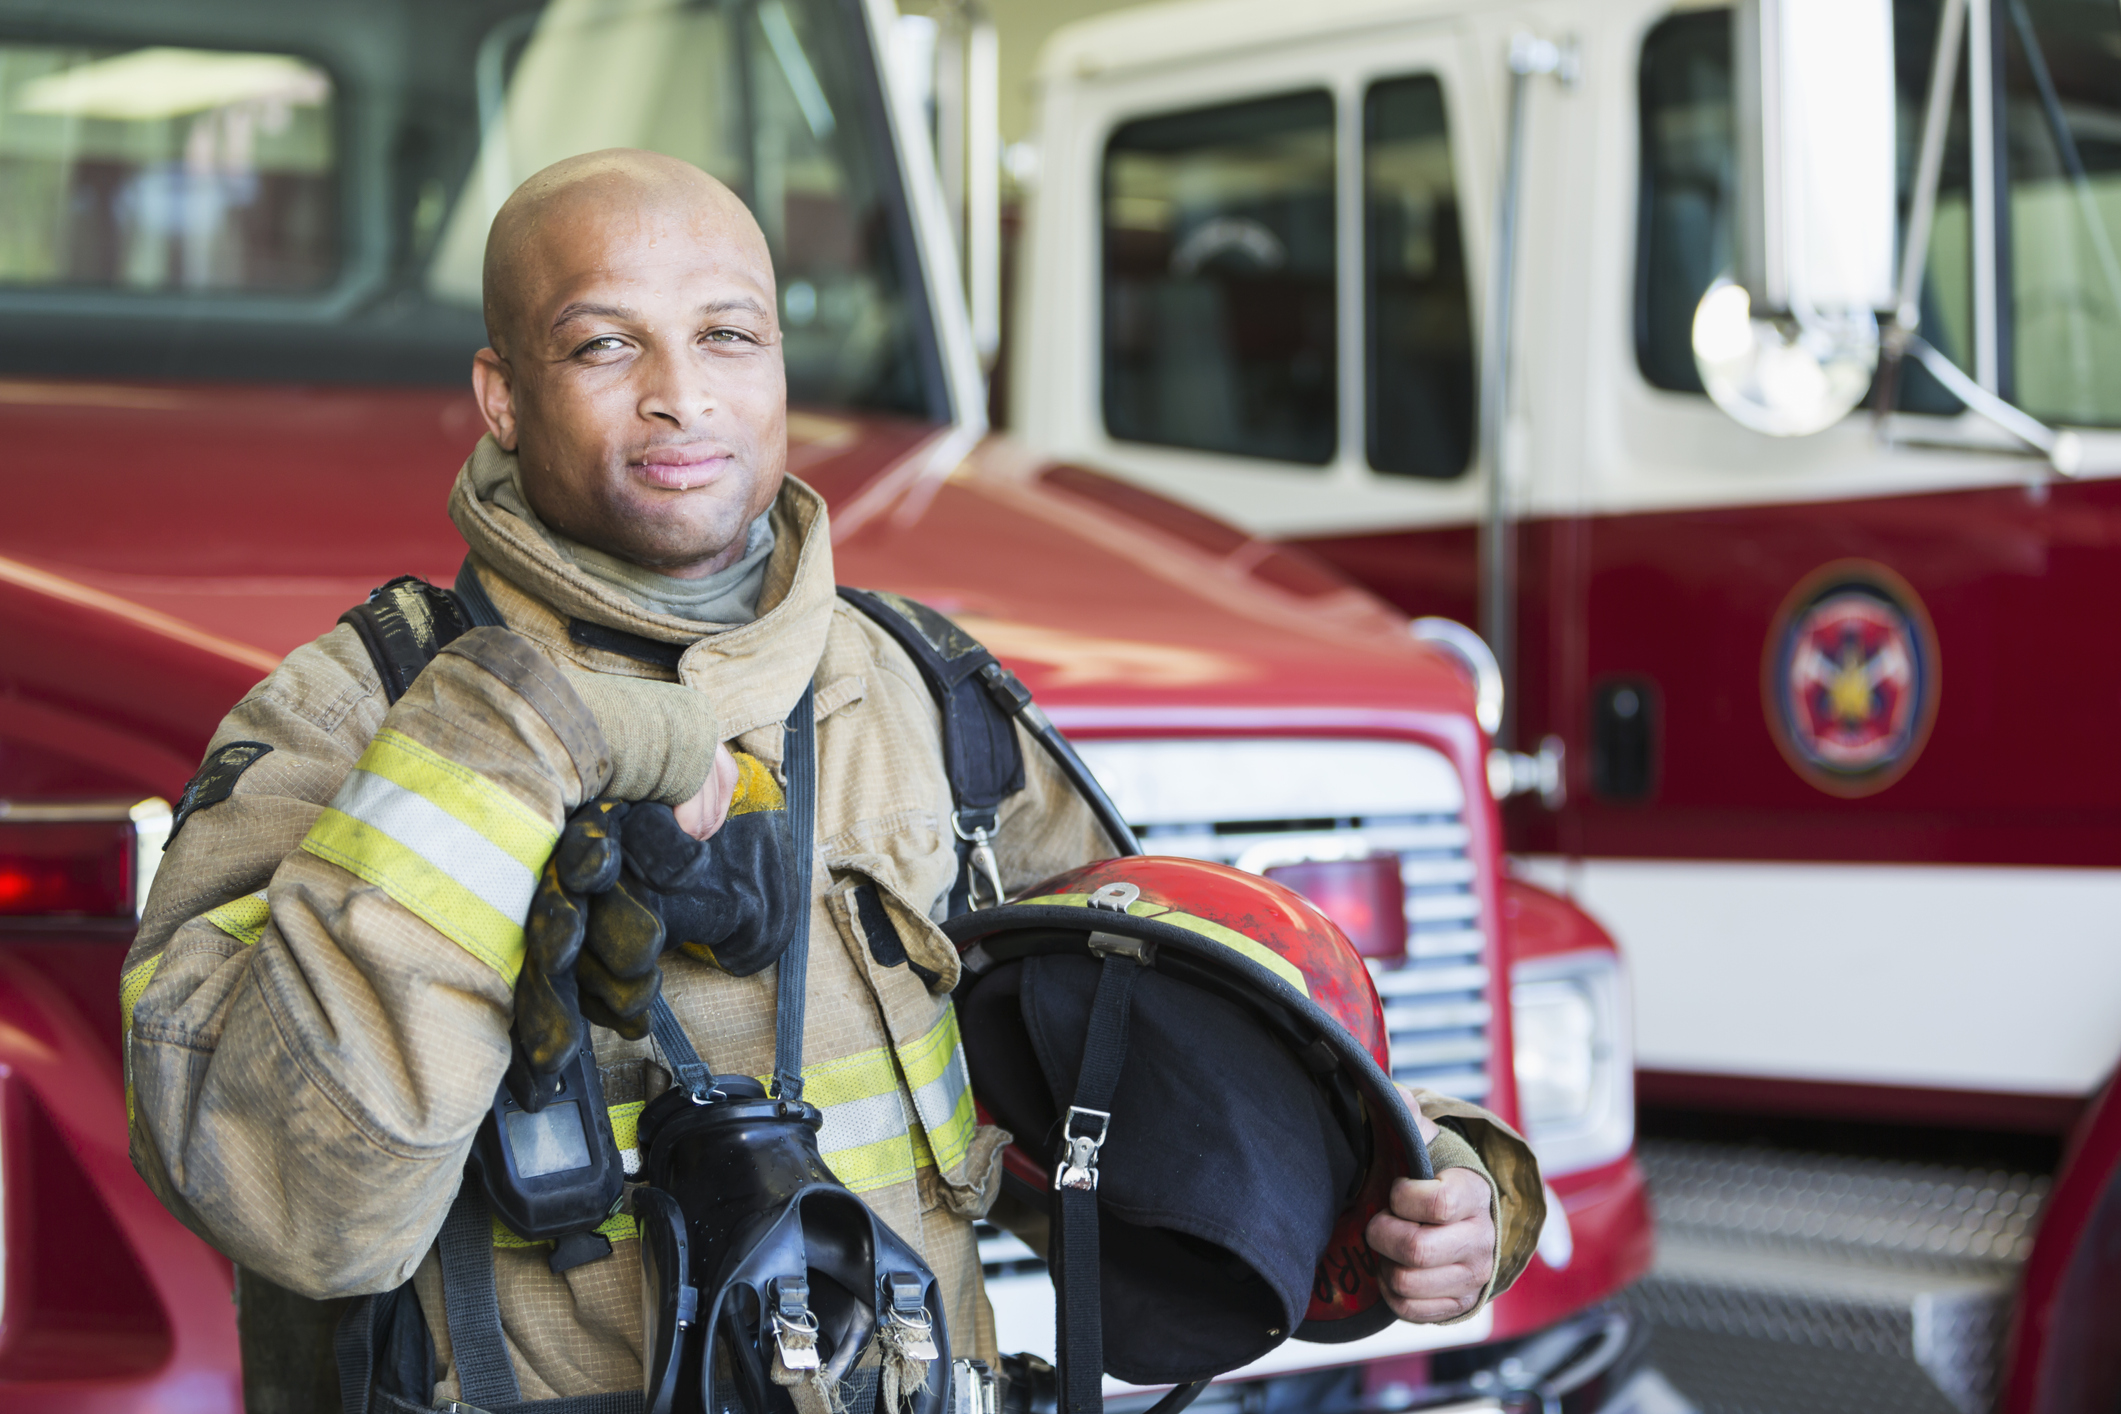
pixel 572 973
pixel 728 901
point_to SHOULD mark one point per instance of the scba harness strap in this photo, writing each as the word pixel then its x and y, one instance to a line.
pixel 404 625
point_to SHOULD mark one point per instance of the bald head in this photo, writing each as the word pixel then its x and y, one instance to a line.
pixel 550 214
pixel 635 360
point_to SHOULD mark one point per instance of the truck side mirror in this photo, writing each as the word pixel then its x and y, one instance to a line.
pixel 1787 342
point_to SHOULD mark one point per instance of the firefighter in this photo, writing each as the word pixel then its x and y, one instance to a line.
pixel 319 1003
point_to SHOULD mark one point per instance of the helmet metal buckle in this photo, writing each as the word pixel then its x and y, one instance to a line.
pixel 907 1325
pixel 794 1326
pixel 982 867
pixel 1078 1166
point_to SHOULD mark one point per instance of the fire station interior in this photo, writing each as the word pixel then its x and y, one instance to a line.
pixel 1610 503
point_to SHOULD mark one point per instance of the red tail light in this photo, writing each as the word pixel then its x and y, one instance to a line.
pixel 78 861
pixel 1364 896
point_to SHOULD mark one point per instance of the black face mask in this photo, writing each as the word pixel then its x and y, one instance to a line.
pixel 765 1281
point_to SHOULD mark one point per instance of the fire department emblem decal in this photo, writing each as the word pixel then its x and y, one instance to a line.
pixel 1852 678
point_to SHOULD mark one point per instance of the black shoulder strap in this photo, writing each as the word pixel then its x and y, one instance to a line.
pixel 980 751
pixel 982 704
pixel 404 625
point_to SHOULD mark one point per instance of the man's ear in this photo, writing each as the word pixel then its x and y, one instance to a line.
pixel 493 384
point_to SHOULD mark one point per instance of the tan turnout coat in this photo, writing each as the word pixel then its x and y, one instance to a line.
pixel 319 998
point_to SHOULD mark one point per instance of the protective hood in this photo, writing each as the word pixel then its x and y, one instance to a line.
pixel 752 673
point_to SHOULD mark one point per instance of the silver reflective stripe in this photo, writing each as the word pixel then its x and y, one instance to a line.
pixel 850 1124
pixel 450 845
pixel 937 1101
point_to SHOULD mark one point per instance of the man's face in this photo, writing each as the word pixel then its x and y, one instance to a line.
pixel 640 381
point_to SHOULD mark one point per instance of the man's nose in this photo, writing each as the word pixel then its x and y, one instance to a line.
pixel 676 389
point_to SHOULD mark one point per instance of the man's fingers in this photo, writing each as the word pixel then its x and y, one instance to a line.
pixel 588 855
pixel 552 933
pixel 1428 1312
pixel 1452 1196
pixel 1424 1245
pixel 1458 1283
pixel 702 815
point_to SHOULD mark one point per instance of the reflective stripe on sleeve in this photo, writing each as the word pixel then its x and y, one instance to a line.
pixel 942 1091
pixel 243 919
pixel 448 844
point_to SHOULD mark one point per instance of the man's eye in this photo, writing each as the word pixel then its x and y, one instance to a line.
pixel 608 343
pixel 728 336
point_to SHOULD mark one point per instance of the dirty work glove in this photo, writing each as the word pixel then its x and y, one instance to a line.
pixel 728 901
pixel 573 971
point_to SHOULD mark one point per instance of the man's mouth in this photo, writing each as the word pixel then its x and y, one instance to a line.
pixel 681 468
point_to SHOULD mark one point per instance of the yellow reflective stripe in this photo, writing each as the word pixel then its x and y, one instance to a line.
pixel 130 988
pixel 626 1123
pixel 1230 938
pixel 522 833
pixel 455 911
pixel 619 1227
pixel 243 919
pixel 942 1090
pixel 867 1167
pixel 756 789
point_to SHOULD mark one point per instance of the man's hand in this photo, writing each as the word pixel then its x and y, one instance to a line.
pixel 702 815
pixel 1438 1241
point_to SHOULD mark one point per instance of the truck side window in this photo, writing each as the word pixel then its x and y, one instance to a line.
pixel 312 206
pixel 1219 317
pixel 1688 170
pixel 164 171
pixel 2062 106
pixel 1421 382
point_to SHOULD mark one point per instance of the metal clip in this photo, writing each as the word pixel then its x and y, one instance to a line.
pixel 981 861
pixel 974 1388
pixel 907 1324
pixel 1115 898
pixel 794 1326
pixel 1078 1166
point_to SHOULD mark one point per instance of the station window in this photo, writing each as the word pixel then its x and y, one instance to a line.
pixel 160 170
pixel 1220 327
pixel 310 201
pixel 1420 336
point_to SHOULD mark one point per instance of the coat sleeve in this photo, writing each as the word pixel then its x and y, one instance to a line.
pixel 317 1006
pixel 1046 828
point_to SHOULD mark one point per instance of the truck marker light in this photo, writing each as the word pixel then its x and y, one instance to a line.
pixel 1364 896
pixel 78 860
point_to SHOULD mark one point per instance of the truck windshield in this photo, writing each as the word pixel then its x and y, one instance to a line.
pixel 2056 326
pixel 225 190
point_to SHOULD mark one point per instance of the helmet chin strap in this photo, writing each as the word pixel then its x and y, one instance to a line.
pixel 1078 1316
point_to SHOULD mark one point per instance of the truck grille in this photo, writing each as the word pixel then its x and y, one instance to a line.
pixel 1438 1010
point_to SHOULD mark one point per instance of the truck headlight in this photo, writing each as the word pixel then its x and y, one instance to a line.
pixel 1575 1071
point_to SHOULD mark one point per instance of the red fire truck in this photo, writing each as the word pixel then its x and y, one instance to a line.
pixel 239 268
pixel 1434 290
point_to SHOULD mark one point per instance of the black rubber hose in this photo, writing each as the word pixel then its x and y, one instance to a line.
pixel 1015 699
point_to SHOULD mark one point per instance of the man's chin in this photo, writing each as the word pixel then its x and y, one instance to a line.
pixel 686 552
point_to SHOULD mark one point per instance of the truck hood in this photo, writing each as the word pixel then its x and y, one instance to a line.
pixel 254 521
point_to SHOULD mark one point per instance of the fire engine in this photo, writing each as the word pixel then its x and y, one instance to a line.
pixel 1561 319
pixel 239 291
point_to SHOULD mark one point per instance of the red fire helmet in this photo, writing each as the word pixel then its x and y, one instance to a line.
pixel 1250 942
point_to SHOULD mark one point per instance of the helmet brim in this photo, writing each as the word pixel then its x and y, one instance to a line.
pixel 1347 1295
